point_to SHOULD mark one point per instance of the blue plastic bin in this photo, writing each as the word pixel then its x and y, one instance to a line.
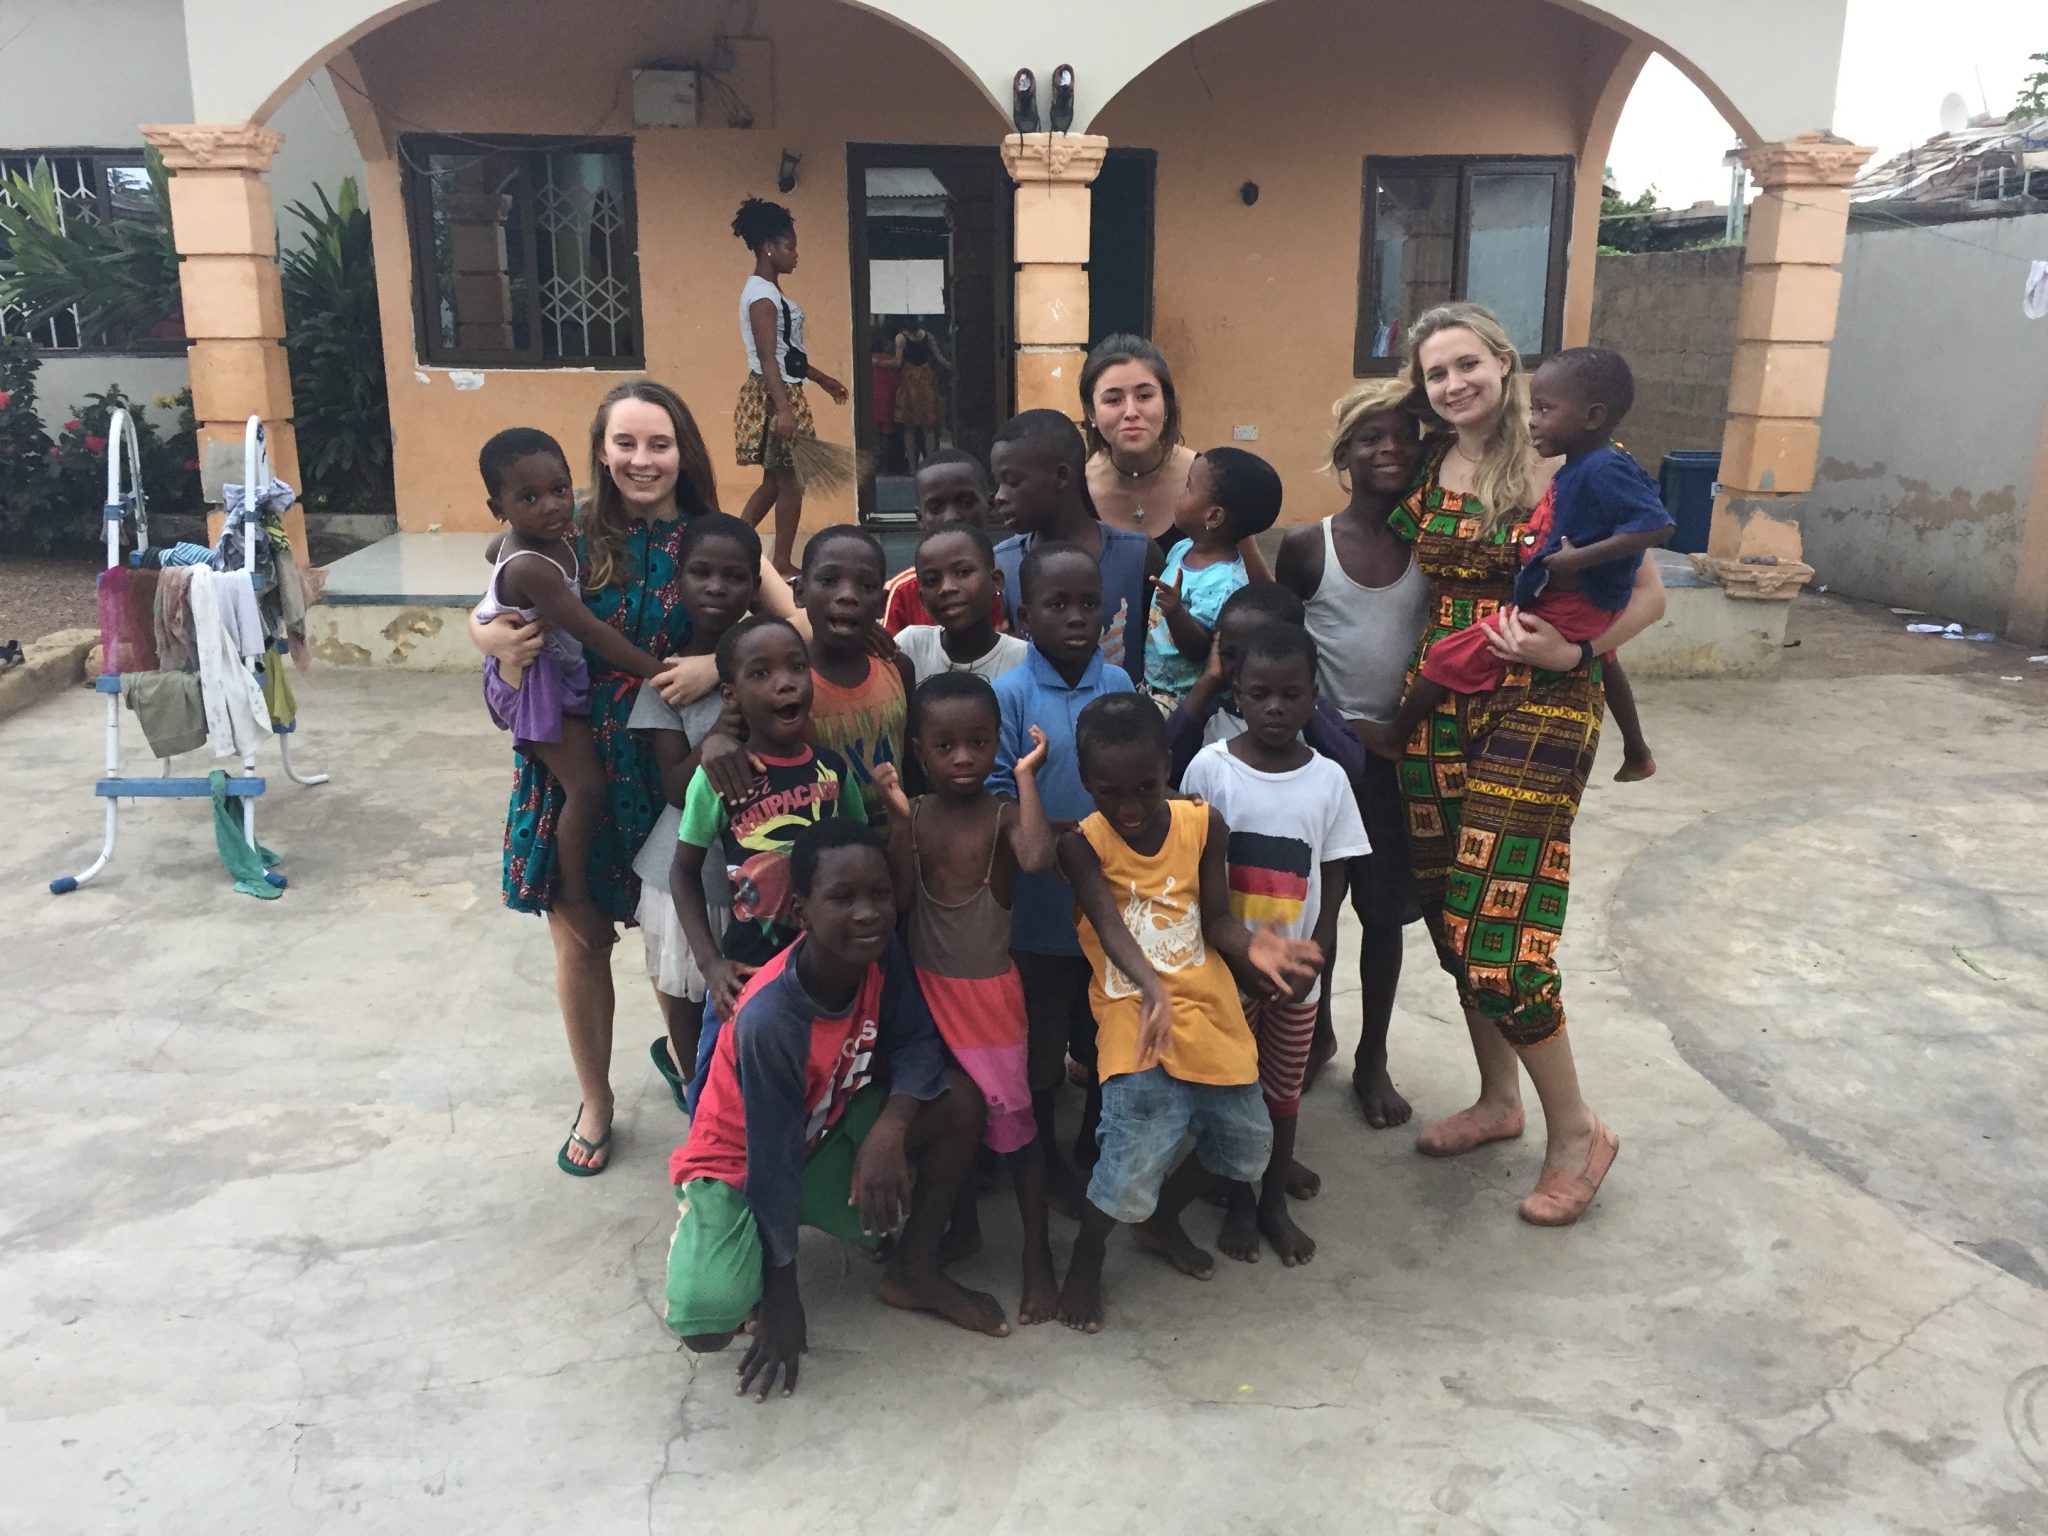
pixel 1687 480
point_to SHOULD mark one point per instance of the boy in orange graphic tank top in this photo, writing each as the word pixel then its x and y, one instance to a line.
pixel 1174 1053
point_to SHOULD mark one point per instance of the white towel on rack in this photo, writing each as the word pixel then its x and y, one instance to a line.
pixel 224 627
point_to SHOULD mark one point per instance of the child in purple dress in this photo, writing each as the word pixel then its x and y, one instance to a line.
pixel 547 707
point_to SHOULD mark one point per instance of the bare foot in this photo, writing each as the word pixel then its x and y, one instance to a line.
pixel 962 1240
pixel 1239 1235
pixel 1635 769
pixel 1040 1302
pixel 1379 1100
pixel 1292 1244
pixel 592 928
pixel 1320 1050
pixel 1081 1296
pixel 916 1291
pixel 1303 1183
pixel 1170 1241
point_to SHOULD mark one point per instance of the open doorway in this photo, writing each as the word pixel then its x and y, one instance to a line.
pixel 931 302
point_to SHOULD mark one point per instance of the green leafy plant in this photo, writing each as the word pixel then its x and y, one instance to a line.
pixel 1625 222
pixel 122 277
pixel 25 487
pixel 336 349
pixel 2033 97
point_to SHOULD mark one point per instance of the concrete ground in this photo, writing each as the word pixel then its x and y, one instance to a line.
pixel 283 1249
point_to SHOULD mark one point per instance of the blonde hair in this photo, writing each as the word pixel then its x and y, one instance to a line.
pixel 1501 478
pixel 604 515
pixel 1375 397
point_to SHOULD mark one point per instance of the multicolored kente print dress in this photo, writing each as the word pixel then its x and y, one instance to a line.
pixel 1493 780
pixel 647 608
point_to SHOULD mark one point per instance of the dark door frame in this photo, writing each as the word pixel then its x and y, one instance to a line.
pixel 860 159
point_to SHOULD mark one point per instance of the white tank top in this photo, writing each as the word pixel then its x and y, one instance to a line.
pixel 1365 636
pixel 758 287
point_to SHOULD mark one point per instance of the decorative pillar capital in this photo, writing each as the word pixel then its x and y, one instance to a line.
pixel 214 146
pixel 1811 160
pixel 1058 159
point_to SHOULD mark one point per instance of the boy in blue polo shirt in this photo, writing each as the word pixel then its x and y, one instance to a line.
pixel 1059 601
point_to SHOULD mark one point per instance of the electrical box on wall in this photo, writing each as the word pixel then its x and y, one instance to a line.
pixel 665 98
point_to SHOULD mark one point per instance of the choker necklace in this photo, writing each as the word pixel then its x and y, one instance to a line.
pixel 1459 444
pixel 1135 475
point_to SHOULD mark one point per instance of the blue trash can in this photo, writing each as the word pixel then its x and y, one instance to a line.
pixel 1687 480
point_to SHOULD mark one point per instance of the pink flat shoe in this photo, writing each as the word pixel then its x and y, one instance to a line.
pixel 1462 1132
pixel 1561 1198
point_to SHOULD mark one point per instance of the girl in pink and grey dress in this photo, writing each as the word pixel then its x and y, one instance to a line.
pixel 547 706
pixel 956 852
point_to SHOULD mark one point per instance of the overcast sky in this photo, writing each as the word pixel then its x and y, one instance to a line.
pixel 1899 58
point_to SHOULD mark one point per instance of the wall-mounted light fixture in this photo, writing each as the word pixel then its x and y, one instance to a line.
pixel 1249 193
pixel 785 173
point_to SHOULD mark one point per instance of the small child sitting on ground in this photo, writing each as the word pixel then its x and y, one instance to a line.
pixel 1586 543
pixel 718 576
pixel 952 490
pixel 957 852
pixel 765 675
pixel 828 1081
pixel 860 702
pixel 1294 827
pixel 547 710
pixel 1173 1052
pixel 955 570
pixel 1231 496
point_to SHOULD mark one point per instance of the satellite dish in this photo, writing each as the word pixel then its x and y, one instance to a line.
pixel 1955 113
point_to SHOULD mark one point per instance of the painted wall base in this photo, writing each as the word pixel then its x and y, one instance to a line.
pixel 1706 633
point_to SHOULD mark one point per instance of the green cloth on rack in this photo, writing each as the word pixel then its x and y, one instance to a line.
pixel 245 861
pixel 168 706
pixel 277 692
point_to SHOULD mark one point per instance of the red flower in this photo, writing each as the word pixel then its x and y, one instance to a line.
pixel 74 426
pixel 95 445
pixel 5 397
pixel 56 452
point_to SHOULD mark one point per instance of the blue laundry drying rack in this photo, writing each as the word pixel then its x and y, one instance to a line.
pixel 124 497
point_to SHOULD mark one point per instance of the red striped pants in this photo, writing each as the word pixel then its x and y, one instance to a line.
pixel 1284 1032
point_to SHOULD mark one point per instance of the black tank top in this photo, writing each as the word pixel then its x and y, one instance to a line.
pixel 917 350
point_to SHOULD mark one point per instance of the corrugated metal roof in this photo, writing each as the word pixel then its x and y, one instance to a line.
pixel 1952 164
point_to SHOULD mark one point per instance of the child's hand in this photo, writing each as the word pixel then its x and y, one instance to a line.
pixel 1155 1021
pixel 1166 596
pixel 1281 960
pixel 1380 739
pixel 881 644
pixel 780 1337
pixel 890 783
pixel 724 980
pixel 1033 760
pixel 1567 560
pixel 731 768
pixel 881 1183
pixel 1212 670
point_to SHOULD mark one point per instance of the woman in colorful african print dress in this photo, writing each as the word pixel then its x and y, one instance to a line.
pixel 1493 780
pixel 650 475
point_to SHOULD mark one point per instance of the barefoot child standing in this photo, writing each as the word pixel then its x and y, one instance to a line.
pixel 1294 827
pixel 547 709
pixel 828 1082
pixel 1174 1054
pixel 956 853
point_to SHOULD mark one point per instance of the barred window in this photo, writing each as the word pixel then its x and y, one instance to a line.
pixel 94 186
pixel 1441 227
pixel 523 255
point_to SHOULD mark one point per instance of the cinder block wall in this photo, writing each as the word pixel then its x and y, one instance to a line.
pixel 1672 315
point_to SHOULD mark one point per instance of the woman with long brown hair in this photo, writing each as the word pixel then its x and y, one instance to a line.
pixel 1493 781
pixel 650 477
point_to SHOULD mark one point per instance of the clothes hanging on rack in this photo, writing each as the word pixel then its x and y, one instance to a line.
pixel 173 620
pixel 278 695
pixel 227 635
pixel 245 860
pixel 154 558
pixel 168 707
pixel 126 602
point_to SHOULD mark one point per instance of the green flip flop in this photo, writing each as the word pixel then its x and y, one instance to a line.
pixel 584 1170
pixel 659 1051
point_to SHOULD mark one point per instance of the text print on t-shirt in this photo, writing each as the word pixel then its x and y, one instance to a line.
pixel 857 1057
pixel 1169 935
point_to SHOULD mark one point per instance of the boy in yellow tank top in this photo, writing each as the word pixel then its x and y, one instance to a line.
pixel 1174 1054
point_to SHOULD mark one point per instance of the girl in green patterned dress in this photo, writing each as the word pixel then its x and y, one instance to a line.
pixel 650 476
pixel 1493 781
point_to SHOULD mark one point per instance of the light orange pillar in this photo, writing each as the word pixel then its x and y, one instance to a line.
pixel 1053 172
pixel 226 233
pixel 1791 289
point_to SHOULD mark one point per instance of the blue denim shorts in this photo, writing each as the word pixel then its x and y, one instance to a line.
pixel 1144 1116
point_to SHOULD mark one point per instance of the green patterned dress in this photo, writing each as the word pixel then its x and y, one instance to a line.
pixel 1493 780
pixel 646 607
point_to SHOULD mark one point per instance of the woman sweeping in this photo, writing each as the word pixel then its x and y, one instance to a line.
pixel 772 412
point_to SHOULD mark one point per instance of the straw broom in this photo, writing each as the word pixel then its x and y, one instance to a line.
pixel 823 466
